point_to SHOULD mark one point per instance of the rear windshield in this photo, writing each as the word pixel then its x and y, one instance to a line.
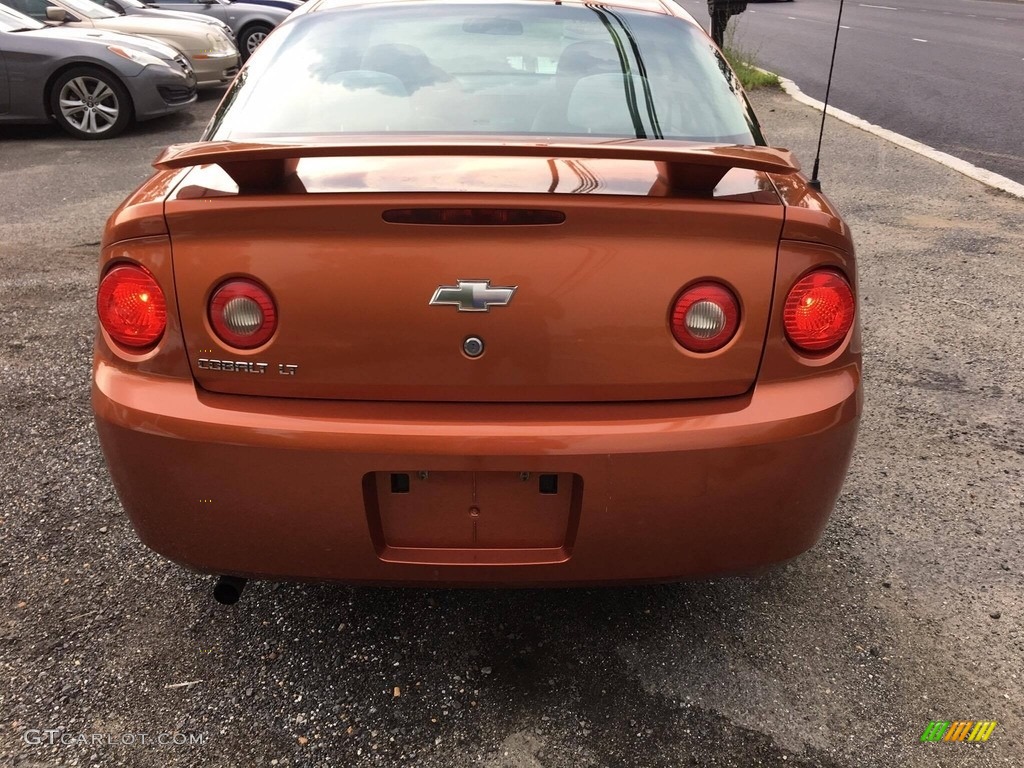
pixel 487 70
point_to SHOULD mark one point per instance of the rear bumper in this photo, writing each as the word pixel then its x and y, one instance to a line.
pixel 278 488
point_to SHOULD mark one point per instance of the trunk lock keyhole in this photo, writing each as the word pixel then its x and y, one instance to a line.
pixel 473 346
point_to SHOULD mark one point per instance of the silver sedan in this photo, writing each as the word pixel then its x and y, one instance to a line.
pixel 138 8
pixel 251 22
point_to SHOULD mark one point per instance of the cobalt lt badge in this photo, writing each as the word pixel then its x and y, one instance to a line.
pixel 473 295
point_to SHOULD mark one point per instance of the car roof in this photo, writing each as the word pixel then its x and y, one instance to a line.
pixel 665 7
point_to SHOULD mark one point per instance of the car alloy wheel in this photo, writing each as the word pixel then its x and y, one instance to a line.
pixel 254 41
pixel 90 104
pixel 252 38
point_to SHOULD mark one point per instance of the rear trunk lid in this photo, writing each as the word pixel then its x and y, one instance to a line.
pixel 588 299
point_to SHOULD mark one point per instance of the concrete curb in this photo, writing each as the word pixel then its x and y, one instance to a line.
pixel 962 166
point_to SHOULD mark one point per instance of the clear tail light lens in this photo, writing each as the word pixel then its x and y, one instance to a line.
pixel 819 311
pixel 131 307
pixel 705 317
pixel 242 314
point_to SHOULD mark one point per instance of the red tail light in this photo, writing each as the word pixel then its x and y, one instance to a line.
pixel 242 314
pixel 819 311
pixel 705 317
pixel 131 306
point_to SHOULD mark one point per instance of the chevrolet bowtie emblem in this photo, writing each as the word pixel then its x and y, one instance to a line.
pixel 473 295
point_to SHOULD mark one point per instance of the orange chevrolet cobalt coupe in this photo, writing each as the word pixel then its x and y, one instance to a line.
pixel 478 293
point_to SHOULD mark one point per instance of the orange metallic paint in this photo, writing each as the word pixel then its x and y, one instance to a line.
pixel 686 166
pixel 670 490
pixel 588 321
pixel 733 464
pixel 495 515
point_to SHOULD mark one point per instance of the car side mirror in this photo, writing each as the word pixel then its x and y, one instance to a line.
pixel 56 14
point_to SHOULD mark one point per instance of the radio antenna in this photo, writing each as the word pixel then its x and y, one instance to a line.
pixel 815 181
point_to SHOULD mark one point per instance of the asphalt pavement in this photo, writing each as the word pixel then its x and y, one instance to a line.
pixel 909 610
pixel 948 73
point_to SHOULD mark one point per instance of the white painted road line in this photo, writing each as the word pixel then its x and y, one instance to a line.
pixel 918 40
pixel 955 163
pixel 879 7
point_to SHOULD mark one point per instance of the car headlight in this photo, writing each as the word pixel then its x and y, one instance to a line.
pixel 141 58
pixel 219 45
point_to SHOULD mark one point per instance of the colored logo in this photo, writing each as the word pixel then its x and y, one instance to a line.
pixel 958 730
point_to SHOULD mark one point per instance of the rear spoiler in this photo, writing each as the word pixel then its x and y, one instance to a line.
pixel 686 167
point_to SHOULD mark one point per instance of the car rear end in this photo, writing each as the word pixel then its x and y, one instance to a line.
pixel 336 347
